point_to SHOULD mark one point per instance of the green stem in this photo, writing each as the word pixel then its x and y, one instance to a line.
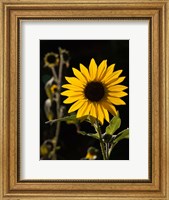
pixel 107 150
pixel 110 150
pixel 58 110
pixel 98 130
pixel 54 74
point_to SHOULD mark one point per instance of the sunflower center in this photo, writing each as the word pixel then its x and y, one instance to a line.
pixel 51 59
pixel 94 91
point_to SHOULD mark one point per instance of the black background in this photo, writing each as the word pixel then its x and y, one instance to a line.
pixel 73 145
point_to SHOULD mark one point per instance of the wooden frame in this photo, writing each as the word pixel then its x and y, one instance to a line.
pixel 157 13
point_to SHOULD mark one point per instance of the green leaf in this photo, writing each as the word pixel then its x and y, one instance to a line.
pixel 122 135
pixel 48 88
pixel 48 92
pixel 67 118
pixel 114 125
pixel 117 138
pixel 93 135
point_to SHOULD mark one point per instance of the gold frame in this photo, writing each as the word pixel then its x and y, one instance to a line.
pixel 157 12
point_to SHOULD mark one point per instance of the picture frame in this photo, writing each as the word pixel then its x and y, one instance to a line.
pixel 156 12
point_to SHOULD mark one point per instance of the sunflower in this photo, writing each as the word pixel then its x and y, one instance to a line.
pixel 96 91
pixel 54 88
pixel 51 59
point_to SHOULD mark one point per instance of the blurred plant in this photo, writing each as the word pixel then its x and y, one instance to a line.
pixel 91 154
pixel 48 149
pixel 51 59
pixel 53 89
pixel 48 109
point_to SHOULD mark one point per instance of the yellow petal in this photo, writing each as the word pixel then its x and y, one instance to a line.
pixel 76 106
pixel 72 99
pixel 110 108
pixel 117 81
pixel 116 101
pixel 74 81
pixel 109 72
pixel 93 69
pixel 114 76
pixel 117 73
pixel 117 94
pixel 117 88
pixel 93 112
pixel 82 110
pixel 72 87
pixel 102 70
pixel 85 72
pixel 71 93
pixel 79 75
pixel 87 111
pixel 106 114
pixel 100 114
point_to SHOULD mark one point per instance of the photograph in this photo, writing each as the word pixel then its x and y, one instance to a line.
pixel 84 100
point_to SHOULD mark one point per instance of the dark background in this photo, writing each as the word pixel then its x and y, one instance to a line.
pixel 74 145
